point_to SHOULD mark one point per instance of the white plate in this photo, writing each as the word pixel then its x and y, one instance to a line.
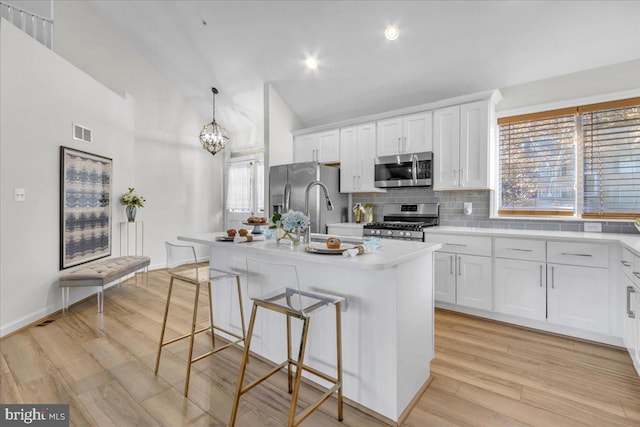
pixel 321 248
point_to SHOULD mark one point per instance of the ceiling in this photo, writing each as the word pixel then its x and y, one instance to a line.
pixel 445 49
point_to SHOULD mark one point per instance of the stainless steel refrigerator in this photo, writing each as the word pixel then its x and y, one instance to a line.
pixel 292 180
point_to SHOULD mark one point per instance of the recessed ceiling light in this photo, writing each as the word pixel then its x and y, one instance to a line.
pixel 391 32
pixel 311 63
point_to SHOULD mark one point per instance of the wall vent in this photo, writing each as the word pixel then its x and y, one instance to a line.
pixel 81 133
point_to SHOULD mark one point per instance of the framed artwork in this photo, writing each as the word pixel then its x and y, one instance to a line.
pixel 85 207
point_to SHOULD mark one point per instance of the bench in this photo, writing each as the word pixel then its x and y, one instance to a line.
pixel 100 274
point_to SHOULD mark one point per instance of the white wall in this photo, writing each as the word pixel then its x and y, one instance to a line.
pixel 279 123
pixel 183 184
pixel 604 80
pixel 42 94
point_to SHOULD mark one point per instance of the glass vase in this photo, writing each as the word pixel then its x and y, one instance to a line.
pixel 131 213
pixel 292 238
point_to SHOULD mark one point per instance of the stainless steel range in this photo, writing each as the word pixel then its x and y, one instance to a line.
pixel 405 221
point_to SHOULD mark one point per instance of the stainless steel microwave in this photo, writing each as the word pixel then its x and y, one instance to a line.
pixel 404 170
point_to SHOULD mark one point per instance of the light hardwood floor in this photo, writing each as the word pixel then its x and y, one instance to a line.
pixel 485 373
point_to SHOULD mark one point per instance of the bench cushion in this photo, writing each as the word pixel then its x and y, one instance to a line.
pixel 103 272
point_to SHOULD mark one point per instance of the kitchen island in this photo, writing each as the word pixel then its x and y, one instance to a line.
pixel 387 326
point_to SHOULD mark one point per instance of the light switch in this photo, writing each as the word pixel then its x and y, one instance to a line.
pixel 19 195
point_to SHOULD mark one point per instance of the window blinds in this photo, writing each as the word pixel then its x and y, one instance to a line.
pixel 537 164
pixel 611 141
pixel 239 186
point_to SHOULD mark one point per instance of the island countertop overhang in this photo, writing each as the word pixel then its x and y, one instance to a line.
pixel 392 253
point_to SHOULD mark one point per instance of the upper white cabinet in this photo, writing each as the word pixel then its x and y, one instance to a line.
pixel 405 134
pixel 323 147
pixel 461 146
pixel 357 154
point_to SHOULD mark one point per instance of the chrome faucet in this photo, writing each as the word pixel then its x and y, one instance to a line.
pixel 307 233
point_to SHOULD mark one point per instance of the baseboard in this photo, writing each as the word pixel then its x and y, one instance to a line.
pixel 403 416
pixel 40 315
pixel 535 325
pixel 28 320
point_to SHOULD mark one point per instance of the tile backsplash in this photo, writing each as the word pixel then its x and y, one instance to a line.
pixel 451 203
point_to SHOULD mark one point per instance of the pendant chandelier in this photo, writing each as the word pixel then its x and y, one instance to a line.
pixel 213 136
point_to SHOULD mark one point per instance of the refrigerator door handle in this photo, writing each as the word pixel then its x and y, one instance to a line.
pixel 287 197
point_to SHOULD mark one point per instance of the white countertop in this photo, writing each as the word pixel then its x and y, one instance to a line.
pixel 346 224
pixel 392 253
pixel 630 241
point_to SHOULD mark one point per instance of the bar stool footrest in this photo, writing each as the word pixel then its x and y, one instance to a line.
pixel 215 350
pixel 308 410
pixel 259 380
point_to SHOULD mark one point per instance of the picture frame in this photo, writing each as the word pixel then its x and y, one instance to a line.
pixel 85 207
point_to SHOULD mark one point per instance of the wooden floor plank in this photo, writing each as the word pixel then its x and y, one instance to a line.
pixel 171 408
pixel 461 411
pixel 485 373
pixel 512 408
pixel 585 414
pixel 111 405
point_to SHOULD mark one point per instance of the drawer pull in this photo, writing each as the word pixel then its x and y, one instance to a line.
pixel 630 313
pixel 459 266
pixel 625 263
pixel 572 254
pixel 541 275
pixel 451 265
pixel 520 250
pixel 635 273
pixel 455 244
pixel 553 278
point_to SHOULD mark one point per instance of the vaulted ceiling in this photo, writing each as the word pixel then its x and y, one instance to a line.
pixel 445 49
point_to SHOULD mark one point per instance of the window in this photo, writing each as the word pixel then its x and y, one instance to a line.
pixel 244 194
pixel 541 154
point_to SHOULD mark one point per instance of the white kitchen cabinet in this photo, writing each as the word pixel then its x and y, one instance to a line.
pixel 521 288
pixel 631 320
pixel 357 157
pixel 323 147
pixel 461 147
pixel 630 323
pixel 578 296
pixel 405 134
pixel 473 282
pixel 463 270
pixel 445 277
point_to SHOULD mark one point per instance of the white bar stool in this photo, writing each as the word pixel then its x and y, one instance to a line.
pixel 291 301
pixel 182 265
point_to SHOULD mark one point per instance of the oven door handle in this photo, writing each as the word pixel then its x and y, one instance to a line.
pixel 414 169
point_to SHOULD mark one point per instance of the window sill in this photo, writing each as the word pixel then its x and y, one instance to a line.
pixel 558 218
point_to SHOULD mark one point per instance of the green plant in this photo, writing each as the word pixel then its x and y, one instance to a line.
pixel 130 198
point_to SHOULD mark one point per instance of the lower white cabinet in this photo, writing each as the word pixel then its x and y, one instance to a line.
pixel 521 288
pixel 473 287
pixel 631 319
pixel 463 280
pixel 578 296
pixel 445 278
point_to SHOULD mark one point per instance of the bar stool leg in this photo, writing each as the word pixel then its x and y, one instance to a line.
pixel 164 325
pixel 243 367
pixel 296 386
pixel 193 333
pixel 244 332
pixel 213 335
pixel 289 374
pixel 339 358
